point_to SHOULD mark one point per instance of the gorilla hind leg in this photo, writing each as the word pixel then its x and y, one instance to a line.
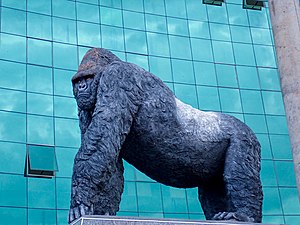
pixel 242 181
pixel 212 197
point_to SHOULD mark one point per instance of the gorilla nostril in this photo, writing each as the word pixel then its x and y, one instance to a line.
pixel 81 86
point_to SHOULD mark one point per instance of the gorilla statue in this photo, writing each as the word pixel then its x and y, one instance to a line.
pixel 128 113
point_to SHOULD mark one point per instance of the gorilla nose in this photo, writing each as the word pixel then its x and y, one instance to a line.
pixel 82 86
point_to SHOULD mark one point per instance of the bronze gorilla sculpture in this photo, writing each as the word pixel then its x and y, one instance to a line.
pixel 128 113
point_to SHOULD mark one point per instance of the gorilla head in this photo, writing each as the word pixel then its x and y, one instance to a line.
pixel 85 81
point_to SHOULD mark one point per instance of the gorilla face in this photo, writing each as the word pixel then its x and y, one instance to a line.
pixel 85 91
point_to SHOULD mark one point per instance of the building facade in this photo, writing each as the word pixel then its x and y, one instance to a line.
pixel 215 58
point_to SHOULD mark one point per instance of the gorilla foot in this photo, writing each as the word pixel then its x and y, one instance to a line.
pixel 78 211
pixel 232 216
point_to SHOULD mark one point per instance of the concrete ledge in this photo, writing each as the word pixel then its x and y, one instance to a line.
pixel 116 220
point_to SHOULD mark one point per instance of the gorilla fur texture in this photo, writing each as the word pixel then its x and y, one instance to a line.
pixel 128 113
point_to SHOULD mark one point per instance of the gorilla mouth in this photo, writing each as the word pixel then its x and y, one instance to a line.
pixel 83 95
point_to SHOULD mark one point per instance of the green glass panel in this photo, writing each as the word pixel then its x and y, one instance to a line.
pixel 88 34
pixel 142 177
pixel 40 104
pixel 129 201
pixel 261 36
pixel 13 215
pixel 292 220
pixel 257 123
pixel 129 172
pixel 12 100
pixel 64 30
pixel 95 2
pixel 217 14
pixel 240 34
pixel 42 158
pixel 290 200
pixel 208 98
pixel 269 79
pixel 12 191
pixel 110 16
pixel 41 6
pixel 281 146
pixel 67 133
pixel 178 26
pixel 158 44
pixel 265 146
pixel 223 52
pixel 277 124
pixel 157 7
pixel 61 54
pixel 226 75
pixel 10 123
pixel 151 215
pixel 196 10
pixel 62 82
pixel 271 201
pixel 170 85
pixel 17 4
pixel 129 214
pixel 258 18
pixel 63 192
pixel 10 44
pixel 237 15
pixel 199 29
pixel 192 200
pixel 252 102
pixel 39 79
pixel 112 38
pixel 174 200
pixel 13 21
pixel 92 15
pixel 285 173
pixel 135 5
pixel 134 20
pixel 41 193
pixel 205 73
pixel 176 10
pixel 247 77
pixel 161 67
pixel 202 49
pixel 40 130
pixel 244 54
pixel 65 107
pixel 62 217
pixel 39 26
pixel 111 3
pixel 156 23
pixel 135 41
pixel 183 71
pixel 180 47
pixel 13 75
pixel 273 219
pixel 140 60
pixel 14 154
pixel 220 32
pixel 273 103
pixel 65 9
pixel 65 158
pixel 149 197
pixel 39 216
pixel 268 176
pixel 265 56
pixel 187 94
pixel 176 215
pixel 230 100
pixel 39 52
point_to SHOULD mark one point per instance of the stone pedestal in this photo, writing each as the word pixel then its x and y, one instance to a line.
pixel 114 220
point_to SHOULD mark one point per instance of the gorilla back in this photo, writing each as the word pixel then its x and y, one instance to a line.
pixel 127 113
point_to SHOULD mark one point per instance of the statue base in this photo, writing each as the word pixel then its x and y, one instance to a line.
pixel 117 220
